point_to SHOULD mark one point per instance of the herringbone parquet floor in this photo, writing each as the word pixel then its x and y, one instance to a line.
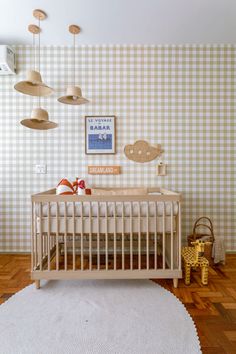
pixel 212 307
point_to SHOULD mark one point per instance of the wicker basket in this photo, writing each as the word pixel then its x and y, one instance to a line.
pixel 209 234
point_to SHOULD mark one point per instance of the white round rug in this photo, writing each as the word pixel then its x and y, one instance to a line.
pixel 88 317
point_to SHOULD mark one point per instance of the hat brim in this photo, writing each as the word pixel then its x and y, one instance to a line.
pixel 38 124
pixel 33 88
pixel 74 102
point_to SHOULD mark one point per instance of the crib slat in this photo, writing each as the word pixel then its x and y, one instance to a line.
pixel 123 238
pixel 32 238
pixel 90 237
pixel 171 235
pixel 51 241
pixel 147 236
pixel 155 238
pixel 98 236
pixel 131 236
pixel 82 237
pixel 114 219
pixel 40 237
pixel 73 243
pixel 36 240
pixel 65 236
pixel 48 233
pixel 44 243
pixel 179 236
pixel 45 247
pixel 139 236
pixel 106 240
pixel 164 236
pixel 57 236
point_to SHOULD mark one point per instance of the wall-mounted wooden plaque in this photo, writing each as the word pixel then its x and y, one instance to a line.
pixel 103 170
pixel 142 151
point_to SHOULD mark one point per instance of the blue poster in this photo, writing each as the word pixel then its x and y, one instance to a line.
pixel 100 135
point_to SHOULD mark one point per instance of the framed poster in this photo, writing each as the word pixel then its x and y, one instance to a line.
pixel 100 134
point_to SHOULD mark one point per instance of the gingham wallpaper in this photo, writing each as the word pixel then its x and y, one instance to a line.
pixel 179 96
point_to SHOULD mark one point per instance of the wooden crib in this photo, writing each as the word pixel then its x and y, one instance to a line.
pixel 106 236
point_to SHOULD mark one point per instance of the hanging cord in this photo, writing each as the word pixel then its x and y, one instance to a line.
pixel 74 56
pixel 39 47
pixel 39 54
pixel 34 50
pixel 34 59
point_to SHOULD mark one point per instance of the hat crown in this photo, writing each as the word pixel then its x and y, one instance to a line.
pixel 34 76
pixel 74 91
pixel 39 114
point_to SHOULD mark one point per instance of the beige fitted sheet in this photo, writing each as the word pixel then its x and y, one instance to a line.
pixel 150 209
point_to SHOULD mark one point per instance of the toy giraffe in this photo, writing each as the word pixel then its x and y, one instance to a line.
pixel 193 257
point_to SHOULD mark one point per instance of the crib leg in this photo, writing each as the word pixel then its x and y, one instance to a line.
pixel 175 282
pixel 37 284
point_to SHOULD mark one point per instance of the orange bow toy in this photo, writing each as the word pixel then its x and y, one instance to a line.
pixel 64 187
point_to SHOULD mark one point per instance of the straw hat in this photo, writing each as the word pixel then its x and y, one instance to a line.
pixel 39 120
pixel 73 96
pixel 33 85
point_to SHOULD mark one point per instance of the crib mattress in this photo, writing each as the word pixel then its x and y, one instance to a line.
pixel 153 209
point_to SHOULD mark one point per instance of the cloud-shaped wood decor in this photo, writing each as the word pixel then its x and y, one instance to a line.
pixel 142 151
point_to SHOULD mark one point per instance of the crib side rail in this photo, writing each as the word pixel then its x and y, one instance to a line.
pixel 105 198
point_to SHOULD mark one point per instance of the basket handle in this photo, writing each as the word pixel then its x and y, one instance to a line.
pixel 206 218
pixel 210 228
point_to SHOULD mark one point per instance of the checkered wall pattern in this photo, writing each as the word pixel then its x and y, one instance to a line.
pixel 179 96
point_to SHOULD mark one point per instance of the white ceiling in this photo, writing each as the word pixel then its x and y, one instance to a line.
pixel 122 21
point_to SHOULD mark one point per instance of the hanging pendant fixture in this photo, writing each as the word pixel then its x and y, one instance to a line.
pixel 39 120
pixel 73 92
pixel 39 117
pixel 33 85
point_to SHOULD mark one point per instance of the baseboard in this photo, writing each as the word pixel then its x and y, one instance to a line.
pixel 15 253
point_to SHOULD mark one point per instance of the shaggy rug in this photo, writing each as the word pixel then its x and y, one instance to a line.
pixel 88 317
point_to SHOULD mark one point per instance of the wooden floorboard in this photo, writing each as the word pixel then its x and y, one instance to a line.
pixel 212 307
